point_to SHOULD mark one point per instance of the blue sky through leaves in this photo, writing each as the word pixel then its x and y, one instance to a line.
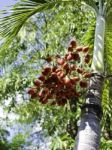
pixel 5 3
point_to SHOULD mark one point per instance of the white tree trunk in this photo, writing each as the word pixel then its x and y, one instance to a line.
pixel 88 137
pixel 98 55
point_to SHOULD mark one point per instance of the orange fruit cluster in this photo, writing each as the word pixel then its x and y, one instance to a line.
pixel 58 83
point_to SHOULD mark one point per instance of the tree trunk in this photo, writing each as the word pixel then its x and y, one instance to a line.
pixel 88 137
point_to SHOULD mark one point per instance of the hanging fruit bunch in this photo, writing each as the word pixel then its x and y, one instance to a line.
pixel 65 78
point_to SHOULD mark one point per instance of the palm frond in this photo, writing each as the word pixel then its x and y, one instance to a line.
pixel 92 4
pixel 108 54
pixel 11 22
pixel 108 7
pixel 107 107
pixel 108 44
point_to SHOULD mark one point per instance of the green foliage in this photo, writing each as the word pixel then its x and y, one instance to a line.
pixel 52 119
pixel 10 84
pixel 108 47
pixel 108 93
pixel 106 144
pixel 23 10
pixel 17 141
pixel 4 145
pixel 106 130
pixel 64 142
pixel 92 3
pixel 3 139
pixel 56 30
pixel 106 103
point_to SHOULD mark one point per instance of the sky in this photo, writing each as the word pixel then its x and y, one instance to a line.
pixel 5 3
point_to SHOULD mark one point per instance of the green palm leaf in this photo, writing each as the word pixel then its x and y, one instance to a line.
pixel 92 4
pixel 108 44
pixel 11 24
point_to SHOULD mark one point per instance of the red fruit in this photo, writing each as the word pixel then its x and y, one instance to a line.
pixel 40 94
pixel 76 56
pixel 64 95
pixel 43 93
pixel 76 94
pixel 66 56
pixel 48 95
pixel 88 75
pixel 58 95
pixel 62 75
pixel 83 84
pixel 54 68
pixel 42 78
pixel 58 70
pixel 54 77
pixel 46 71
pixel 69 57
pixel 80 70
pixel 87 58
pixel 79 49
pixel 65 66
pixel 85 49
pixel 68 70
pixel 58 86
pixel 60 61
pixel 74 80
pixel 64 100
pixel 37 83
pixel 48 81
pixel 68 95
pixel 73 43
pixel 44 101
pixel 32 91
pixel 70 49
pixel 72 67
pixel 58 73
pixel 50 86
pixel 61 103
pixel 67 81
pixel 34 96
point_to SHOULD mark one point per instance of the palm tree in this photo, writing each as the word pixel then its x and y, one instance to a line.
pixel 89 130
pixel 89 126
